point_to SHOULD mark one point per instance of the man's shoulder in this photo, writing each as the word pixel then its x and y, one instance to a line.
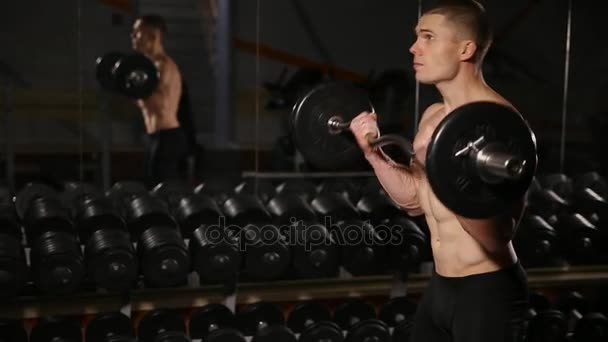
pixel 431 110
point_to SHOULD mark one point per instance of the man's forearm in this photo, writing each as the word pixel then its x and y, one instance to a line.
pixel 399 184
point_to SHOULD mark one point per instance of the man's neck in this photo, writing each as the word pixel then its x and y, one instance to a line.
pixel 464 88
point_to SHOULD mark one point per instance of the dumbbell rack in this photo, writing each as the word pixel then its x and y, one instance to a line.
pixel 275 291
pixel 342 287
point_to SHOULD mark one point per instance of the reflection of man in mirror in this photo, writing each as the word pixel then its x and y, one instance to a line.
pixel 167 144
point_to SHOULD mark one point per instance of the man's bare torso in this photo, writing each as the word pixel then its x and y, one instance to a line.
pixel 160 109
pixel 455 251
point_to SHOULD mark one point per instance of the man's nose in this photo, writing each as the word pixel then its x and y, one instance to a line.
pixel 413 48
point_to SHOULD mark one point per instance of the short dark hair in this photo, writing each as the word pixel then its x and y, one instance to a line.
pixel 472 15
pixel 154 20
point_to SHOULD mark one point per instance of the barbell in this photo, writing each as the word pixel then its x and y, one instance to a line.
pixel 133 75
pixel 480 159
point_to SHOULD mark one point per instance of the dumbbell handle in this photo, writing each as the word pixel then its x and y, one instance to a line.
pixel 336 126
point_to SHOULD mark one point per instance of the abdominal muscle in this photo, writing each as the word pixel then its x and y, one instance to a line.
pixel 455 252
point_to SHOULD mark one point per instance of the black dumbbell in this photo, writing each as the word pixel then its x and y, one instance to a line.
pixel 139 208
pixel 214 323
pixel 592 327
pixel 288 207
pixel 547 326
pixel 13 264
pixel 162 325
pixel 590 197
pixel 163 256
pixel 547 203
pixel 12 330
pixel 377 207
pixel 359 319
pixel 347 188
pixel 538 302
pixel 133 75
pixel 110 327
pixel 398 313
pixel 261 188
pixel 266 252
pixel 243 209
pixel 560 183
pixel 264 322
pixel 216 254
pixel 56 328
pixel 218 188
pixel 363 251
pixel 573 305
pixel 188 209
pixel 315 253
pixel 334 206
pixel 312 320
pixel 536 241
pixel 397 310
pixel 56 258
pixel 301 187
pixel 408 245
pixel 578 238
pixel 352 312
pixel 110 257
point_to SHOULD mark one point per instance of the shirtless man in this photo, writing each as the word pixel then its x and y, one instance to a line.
pixel 478 288
pixel 167 144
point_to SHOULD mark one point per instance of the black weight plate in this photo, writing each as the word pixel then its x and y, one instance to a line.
pixel 111 260
pixel 253 316
pixel 397 310
pixel 125 188
pixel 30 192
pixel 454 179
pixel 369 330
pixel 157 321
pixel 74 192
pixel 352 312
pixel 322 332
pixel 108 324
pixel 136 76
pixel 171 192
pixel 305 314
pixel 592 327
pixel 548 325
pixel 274 333
pixel 209 318
pixel 104 69
pixel 320 146
pixel 225 335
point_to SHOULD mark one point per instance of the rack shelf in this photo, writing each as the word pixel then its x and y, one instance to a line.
pixel 277 291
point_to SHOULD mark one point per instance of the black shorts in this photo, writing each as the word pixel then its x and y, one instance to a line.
pixel 165 151
pixel 486 307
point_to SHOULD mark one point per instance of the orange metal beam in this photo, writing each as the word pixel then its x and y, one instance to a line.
pixel 299 61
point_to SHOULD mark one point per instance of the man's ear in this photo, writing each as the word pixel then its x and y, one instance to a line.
pixel 467 50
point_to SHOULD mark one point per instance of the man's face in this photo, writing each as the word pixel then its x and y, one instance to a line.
pixel 436 50
pixel 142 37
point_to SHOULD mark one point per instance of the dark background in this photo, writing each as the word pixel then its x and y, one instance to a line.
pixel 59 113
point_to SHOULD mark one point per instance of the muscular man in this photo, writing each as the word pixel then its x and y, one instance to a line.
pixel 478 290
pixel 167 145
